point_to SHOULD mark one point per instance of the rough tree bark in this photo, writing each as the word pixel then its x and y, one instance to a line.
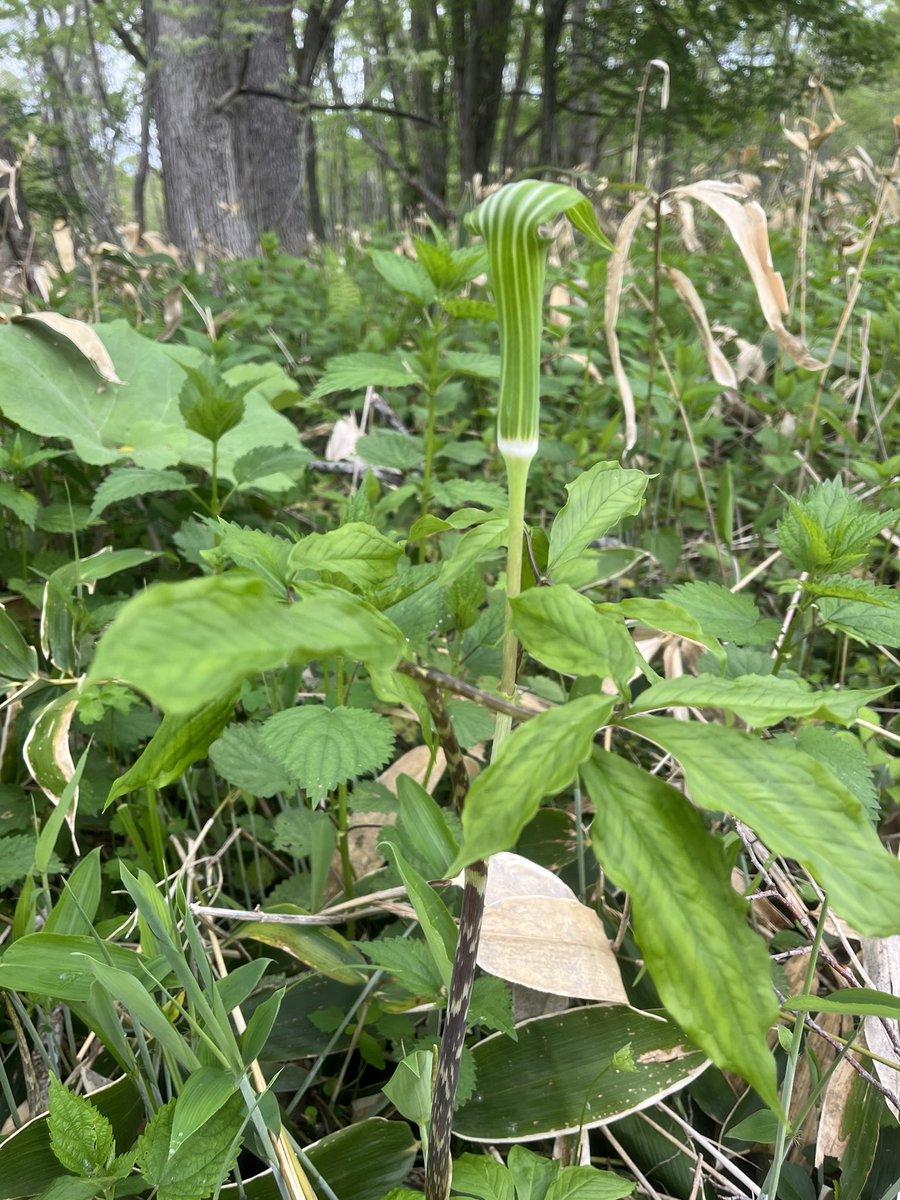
pixel 480 36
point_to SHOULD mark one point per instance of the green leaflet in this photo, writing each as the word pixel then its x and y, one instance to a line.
pixel 538 759
pixel 178 742
pixel 320 747
pixel 356 551
pixel 729 616
pixel 80 1136
pixel 797 807
pixel 18 660
pixel 712 972
pixel 510 221
pixel 666 617
pixel 184 644
pixel 598 500
pixel 760 700
pixel 566 632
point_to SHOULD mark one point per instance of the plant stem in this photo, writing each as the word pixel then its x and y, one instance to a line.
pixel 517 484
pixel 770 1188
pixel 214 481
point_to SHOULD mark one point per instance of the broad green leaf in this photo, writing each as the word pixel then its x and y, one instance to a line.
pixel 482 1176
pixel 855 1002
pixel 46 751
pixel 321 747
pixel 17 860
pixel 50 389
pixel 758 1127
pixel 76 908
pixel 390 448
pixel 598 500
pixel 356 372
pixel 512 1101
pixel 409 1088
pixel 538 759
pixel 193 1170
pixel 712 972
pixel 21 504
pixel 843 754
pixel 185 644
pixel 589 1183
pixel 409 961
pixel 242 759
pixel 356 551
pixel 472 723
pixel 237 985
pixel 729 616
pixel 203 1095
pixel 255 1036
pixel 666 617
pixel 321 948
pixel 566 632
pixel 403 275
pixel 828 528
pixel 124 483
pixel 760 700
pixel 272 466
pixel 434 917
pixel 873 618
pixel 363 1161
pixel 210 406
pixel 80 1136
pixel 492 1005
pixel 464 362
pixel 265 554
pixel 798 808
pixel 18 660
pixel 424 823
pixel 59 965
pixel 178 742
pixel 474 543
pixel 532 1174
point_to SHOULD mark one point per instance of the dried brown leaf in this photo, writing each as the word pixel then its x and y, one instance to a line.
pixel 511 876
pixel 881 959
pixel 82 337
pixel 718 364
pixel 65 245
pixel 417 764
pixel 550 944
pixel 614 280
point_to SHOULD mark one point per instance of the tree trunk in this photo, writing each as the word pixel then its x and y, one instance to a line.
pixel 15 226
pixel 194 59
pixel 554 12
pixel 480 34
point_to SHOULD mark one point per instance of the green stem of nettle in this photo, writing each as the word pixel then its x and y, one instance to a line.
pixel 770 1187
pixel 214 481
pixel 343 817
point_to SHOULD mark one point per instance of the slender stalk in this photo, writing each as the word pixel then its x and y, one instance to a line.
pixel 214 506
pixel 517 485
pixel 770 1187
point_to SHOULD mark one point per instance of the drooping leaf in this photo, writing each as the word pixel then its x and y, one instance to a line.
pixel 323 949
pixel 760 700
pixel 873 616
pixel 712 972
pixel 538 759
pixel 598 500
pixel 403 275
pixel 566 632
pixel 272 465
pixel 58 965
pixel 666 617
pixel 178 742
pixel 798 808
pixel 842 753
pixel 184 644
pixel 321 747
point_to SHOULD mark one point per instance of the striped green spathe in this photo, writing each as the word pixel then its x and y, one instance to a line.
pixel 510 222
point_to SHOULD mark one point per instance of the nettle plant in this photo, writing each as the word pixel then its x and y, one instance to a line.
pixel 351 623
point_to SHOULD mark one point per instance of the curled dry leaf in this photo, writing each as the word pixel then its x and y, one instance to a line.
pixel 65 246
pixel 718 364
pixel 82 337
pixel 614 279
pixel 550 944
pixel 881 959
pixel 747 225
pixel 560 298
pixel 511 876
pixel 692 243
pixel 750 363
pixel 342 443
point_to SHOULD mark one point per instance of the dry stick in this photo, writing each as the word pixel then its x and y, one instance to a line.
pixel 437 1164
pixel 855 288
pixel 449 683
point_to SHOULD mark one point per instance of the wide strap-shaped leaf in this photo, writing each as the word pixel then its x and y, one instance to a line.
pixel 538 759
pixel 510 222
pixel 518 1099
pixel 797 807
pixel 712 972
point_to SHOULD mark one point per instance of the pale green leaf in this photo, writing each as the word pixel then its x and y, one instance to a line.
pixel 434 917
pixel 465 362
pixel 798 808
pixel 321 747
pixel 390 448
pixel 538 759
pixel 409 1088
pixel 410 962
pixel 566 632
pixel 711 971
pixel 178 742
pixel 265 554
pixel 203 1095
pixel 184 644
pixel 193 1170
pixel 874 617
pixel 589 1183
pixel 60 965
pixel 730 616
pixel 856 1002
pixel 473 545
pixel 531 1173
pixel 403 275
pixel 356 372
pixel 124 483
pixel 21 504
pixel 18 660
pixel 598 500
pixel 491 1005
pixel 760 700
pixel 260 1025
pixel 80 1136
pixel 274 466
pixel 843 754
pixel 242 759
pixel 356 551
pixel 481 1176
pixel 323 949
pixel 666 617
